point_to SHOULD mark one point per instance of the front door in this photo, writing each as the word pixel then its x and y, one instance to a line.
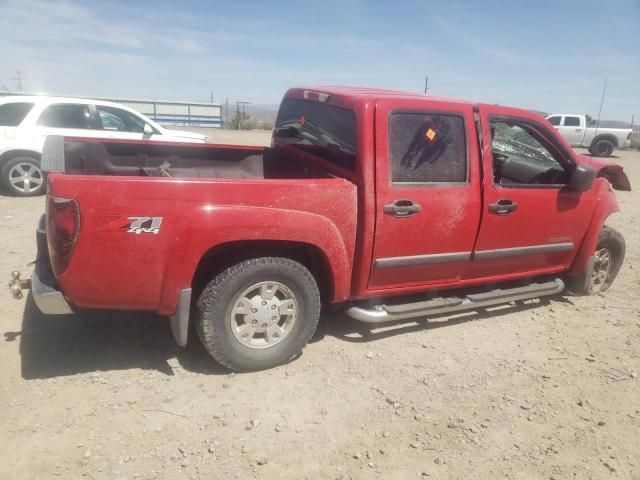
pixel 532 222
pixel 571 130
pixel 427 194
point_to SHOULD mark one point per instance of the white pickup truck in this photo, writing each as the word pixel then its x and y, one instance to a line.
pixel 579 133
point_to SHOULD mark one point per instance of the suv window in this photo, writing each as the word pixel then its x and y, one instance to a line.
pixel 521 155
pixel 554 120
pixel 66 115
pixel 323 130
pixel 427 148
pixel 12 114
pixel 571 121
pixel 116 119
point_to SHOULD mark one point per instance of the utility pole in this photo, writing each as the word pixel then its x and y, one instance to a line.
pixel 426 84
pixel 226 112
pixel 241 112
pixel 18 79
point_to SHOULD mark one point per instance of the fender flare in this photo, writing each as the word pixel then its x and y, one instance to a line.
pixel 16 152
pixel 606 204
pixel 206 227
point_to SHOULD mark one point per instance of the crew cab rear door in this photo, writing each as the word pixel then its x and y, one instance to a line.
pixel 427 193
pixel 532 222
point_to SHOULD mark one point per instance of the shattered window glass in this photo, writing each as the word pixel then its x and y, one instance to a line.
pixel 426 148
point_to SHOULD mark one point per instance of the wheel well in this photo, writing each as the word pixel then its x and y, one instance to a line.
pixel 227 254
pixel 6 156
pixel 605 136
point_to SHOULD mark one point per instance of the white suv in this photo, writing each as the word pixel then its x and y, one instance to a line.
pixel 26 121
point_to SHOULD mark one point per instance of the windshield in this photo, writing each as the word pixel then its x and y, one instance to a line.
pixel 323 130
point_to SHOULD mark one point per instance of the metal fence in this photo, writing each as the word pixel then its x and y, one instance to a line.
pixel 169 112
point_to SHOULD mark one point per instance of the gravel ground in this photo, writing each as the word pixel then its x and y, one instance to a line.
pixel 548 389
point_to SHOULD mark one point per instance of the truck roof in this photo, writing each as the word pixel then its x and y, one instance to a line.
pixel 352 94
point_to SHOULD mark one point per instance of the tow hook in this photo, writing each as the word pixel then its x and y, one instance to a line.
pixel 16 285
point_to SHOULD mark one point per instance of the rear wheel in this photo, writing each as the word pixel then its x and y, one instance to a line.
pixel 258 313
pixel 602 148
pixel 22 177
pixel 608 258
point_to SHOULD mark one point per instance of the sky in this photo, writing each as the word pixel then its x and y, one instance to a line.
pixel 552 56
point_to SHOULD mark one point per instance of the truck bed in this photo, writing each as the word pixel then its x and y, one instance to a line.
pixel 202 197
pixel 149 159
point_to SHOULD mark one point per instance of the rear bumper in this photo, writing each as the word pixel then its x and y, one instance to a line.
pixel 49 300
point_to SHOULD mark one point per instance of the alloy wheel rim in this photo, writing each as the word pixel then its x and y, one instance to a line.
pixel 601 269
pixel 263 315
pixel 25 178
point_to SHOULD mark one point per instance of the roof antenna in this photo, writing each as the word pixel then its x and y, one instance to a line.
pixel 426 84
pixel 600 111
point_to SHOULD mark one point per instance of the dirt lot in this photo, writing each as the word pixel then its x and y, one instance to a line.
pixel 543 390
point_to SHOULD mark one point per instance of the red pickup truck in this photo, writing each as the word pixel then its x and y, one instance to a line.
pixel 376 201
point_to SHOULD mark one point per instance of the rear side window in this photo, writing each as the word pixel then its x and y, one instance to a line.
pixel 554 120
pixel 427 148
pixel 323 130
pixel 66 115
pixel 12 114
pixel 571 121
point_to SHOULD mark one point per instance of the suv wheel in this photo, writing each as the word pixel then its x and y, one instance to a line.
pixel 22 177
pixel 258 313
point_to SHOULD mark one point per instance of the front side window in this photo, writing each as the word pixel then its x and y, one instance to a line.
pixel 12 114
pixel 66 115
pixel 555 121
pixel 521 155
pixel 571 121
pixel 117 119
pixel 427 148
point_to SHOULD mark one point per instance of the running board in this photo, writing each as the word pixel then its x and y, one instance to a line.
pixel 436 306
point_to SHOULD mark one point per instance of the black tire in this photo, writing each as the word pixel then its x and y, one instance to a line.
pixel 15 185
pixel 214 318
pixel 602 147
pixel 612 241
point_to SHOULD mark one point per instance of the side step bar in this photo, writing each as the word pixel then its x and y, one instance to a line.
pixel 389 313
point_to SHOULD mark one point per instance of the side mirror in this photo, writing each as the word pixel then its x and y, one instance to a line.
pixel 148 130
pixel 582 178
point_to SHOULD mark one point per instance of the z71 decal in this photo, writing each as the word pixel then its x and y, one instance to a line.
pixel 137 225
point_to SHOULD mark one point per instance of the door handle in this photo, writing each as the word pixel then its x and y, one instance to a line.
pixel 578 130
pixel 402 208
pixel 503 207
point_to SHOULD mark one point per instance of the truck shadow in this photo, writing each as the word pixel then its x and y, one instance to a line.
pixel 340 326
pixel 60 345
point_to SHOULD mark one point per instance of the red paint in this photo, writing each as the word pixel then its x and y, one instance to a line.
pixel 340 217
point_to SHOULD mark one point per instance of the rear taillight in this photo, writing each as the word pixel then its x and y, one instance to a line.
pixel 63 224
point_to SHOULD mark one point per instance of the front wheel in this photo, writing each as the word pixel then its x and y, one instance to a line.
pixel 608 258
pixel 258 313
